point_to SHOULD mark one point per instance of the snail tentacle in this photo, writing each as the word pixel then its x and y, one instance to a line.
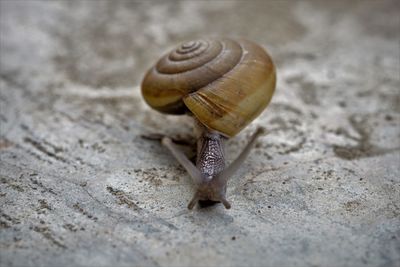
pixel 223 177
pixel 183 160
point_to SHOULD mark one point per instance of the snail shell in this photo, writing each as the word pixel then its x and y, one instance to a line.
pixel 224 83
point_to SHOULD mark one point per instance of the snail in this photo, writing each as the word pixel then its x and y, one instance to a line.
pixel 224 84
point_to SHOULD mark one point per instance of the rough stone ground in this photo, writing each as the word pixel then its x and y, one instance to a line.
pixel 80 187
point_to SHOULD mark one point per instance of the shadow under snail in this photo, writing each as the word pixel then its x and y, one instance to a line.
pixel 224 84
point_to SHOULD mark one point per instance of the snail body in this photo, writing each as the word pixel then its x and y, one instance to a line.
pixel 224 84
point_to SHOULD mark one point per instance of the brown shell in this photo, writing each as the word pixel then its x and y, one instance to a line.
pixel 224 83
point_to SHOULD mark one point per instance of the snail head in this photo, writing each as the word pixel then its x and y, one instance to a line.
pixel 210 191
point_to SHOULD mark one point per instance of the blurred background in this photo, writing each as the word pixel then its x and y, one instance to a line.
pixel 79 186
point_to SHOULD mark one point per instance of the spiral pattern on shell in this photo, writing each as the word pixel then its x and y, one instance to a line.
pixel 224 83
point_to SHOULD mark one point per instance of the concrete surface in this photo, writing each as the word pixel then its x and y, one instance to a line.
pixel 80 187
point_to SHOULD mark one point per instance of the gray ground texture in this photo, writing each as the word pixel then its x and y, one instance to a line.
pixel 79 186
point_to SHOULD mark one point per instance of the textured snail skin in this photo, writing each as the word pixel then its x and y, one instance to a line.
pixel 224 83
